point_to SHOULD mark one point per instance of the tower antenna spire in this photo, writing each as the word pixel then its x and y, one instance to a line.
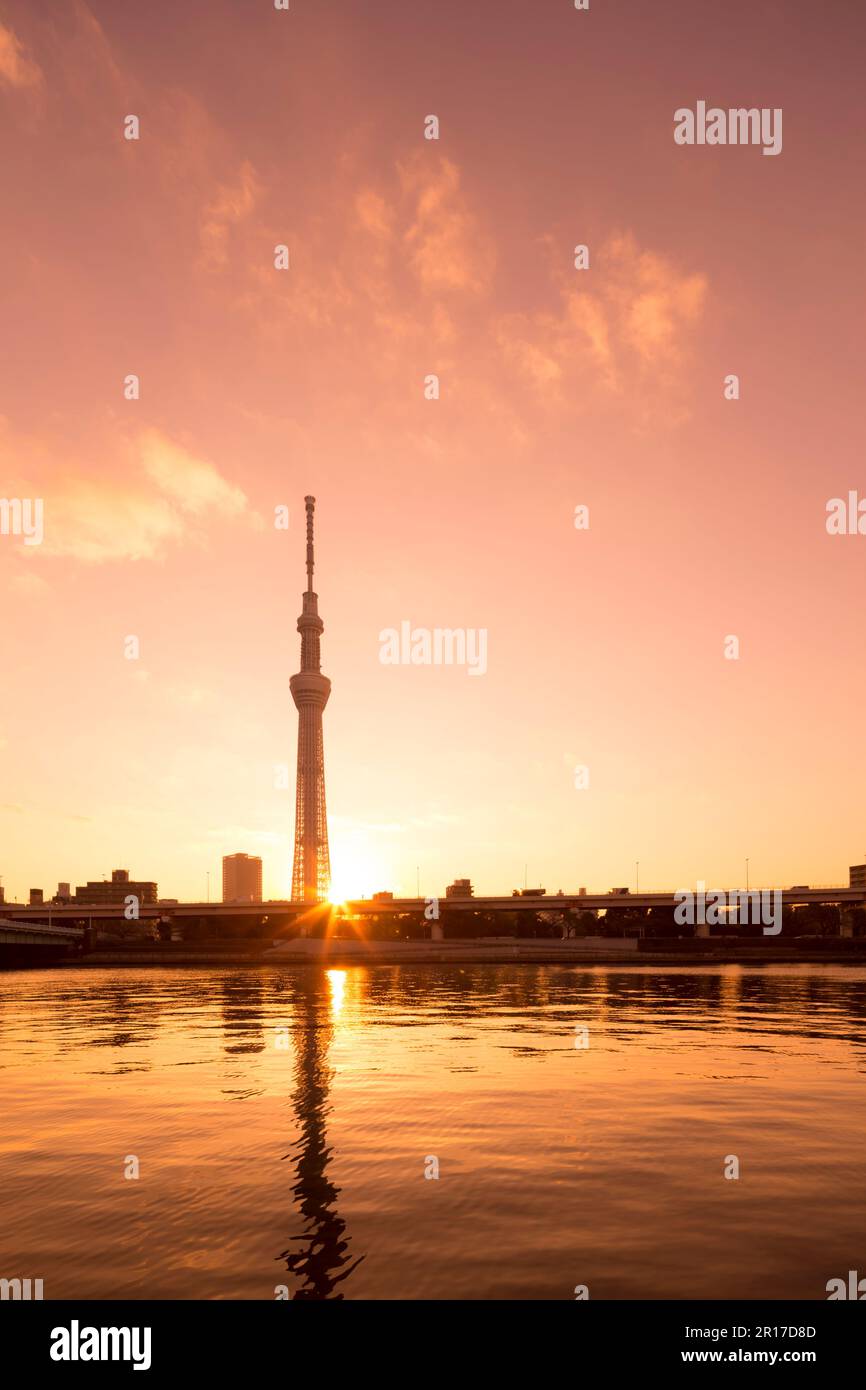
pixel 310 504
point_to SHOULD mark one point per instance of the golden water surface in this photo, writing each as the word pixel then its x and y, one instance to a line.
pixel 282 1121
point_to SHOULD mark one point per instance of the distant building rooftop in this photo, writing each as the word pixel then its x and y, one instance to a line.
pixel 460 888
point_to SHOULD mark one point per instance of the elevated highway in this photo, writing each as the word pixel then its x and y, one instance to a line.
pixel 600 902
pixel 274 916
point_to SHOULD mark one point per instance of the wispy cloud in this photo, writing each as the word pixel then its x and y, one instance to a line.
pixel 163 494
pixel 446 244
pixel 17 69
pixel 617 333
pixel 192 483
pixel 623 326
pixel 231 205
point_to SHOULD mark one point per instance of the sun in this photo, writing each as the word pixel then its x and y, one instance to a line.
pixel 348 880
pixel 355 873
pixel 343 889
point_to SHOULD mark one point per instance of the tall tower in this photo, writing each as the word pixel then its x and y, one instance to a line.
pixel 311 870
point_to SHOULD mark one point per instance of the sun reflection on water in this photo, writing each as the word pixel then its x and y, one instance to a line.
pixel 337 983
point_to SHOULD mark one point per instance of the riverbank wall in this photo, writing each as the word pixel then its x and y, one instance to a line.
pixel 483 951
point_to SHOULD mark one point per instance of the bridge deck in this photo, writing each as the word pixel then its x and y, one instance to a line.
pixel 79 915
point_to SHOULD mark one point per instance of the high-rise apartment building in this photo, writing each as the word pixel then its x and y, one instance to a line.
pixel 242 878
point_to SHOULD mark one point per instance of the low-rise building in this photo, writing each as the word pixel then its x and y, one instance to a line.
pixel 115 892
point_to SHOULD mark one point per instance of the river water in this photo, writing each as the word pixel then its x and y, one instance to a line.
pixel 281 1122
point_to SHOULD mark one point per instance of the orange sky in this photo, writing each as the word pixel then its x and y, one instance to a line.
pixel 558 388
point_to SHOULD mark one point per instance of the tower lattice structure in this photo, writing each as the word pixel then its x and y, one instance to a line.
pixel 311 868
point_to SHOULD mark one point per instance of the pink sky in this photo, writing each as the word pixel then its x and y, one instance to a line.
pixel 558 387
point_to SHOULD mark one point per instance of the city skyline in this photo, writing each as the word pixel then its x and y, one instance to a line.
pixel 559 388
pixel 853 877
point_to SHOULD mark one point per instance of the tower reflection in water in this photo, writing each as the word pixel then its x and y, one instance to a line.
pixel 322 1260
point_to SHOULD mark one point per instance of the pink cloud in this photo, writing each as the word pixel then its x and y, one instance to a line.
pixel 160 495
pixel 16 68
pixel 622 326
pixel 232 204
